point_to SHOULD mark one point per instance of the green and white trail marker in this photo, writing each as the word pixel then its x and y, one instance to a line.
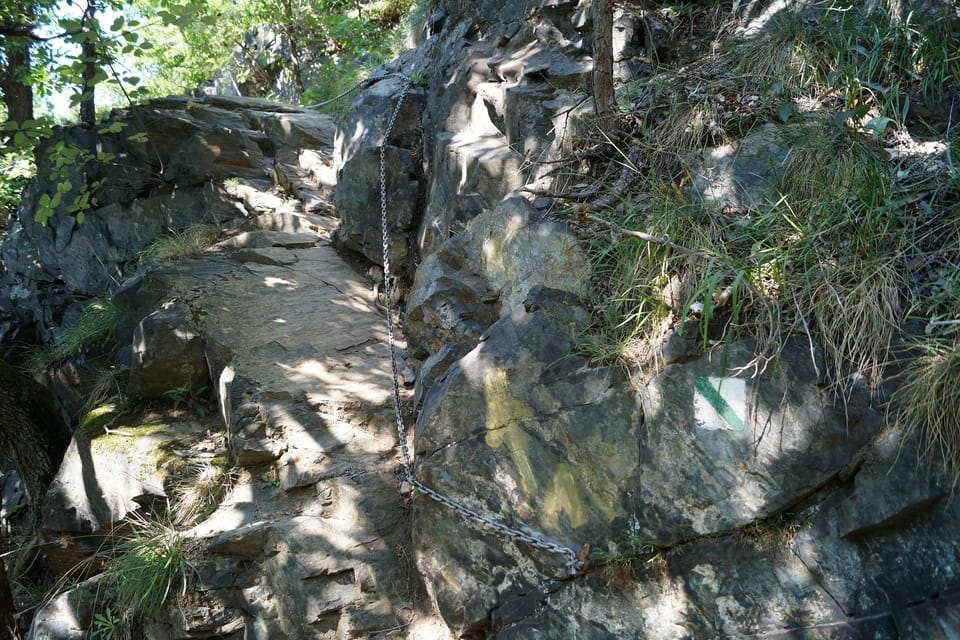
pixel 720 403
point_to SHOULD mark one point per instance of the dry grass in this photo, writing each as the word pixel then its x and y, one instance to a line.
pixel 927 405
pixel 857 310
pixel 190 242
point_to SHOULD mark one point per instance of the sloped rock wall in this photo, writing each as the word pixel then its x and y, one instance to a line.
pixel 161 167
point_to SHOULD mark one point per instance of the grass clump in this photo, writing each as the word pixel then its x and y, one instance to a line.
pixel 187 243
pixel 148 567
pixel 927 405
pixel 201 487
pixel 95 329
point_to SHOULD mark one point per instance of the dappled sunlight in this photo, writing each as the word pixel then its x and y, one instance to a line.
pixel 236 510
pixel 757 24
pixel 476 153
pixel 494 252
pixel 339 379
pixel 274 282
pixel 664 608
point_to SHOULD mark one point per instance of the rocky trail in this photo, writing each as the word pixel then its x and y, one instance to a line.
pixel 710 498
pixel 313 538
pixel 309 385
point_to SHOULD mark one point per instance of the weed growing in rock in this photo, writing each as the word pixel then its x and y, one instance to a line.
pixel 619 564
pixel 186 397
pixel 200 488
pixel 148 567
pixel 188 243
pixel 96 329
pixel 927 405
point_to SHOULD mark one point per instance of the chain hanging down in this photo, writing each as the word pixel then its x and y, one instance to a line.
pixel 573 561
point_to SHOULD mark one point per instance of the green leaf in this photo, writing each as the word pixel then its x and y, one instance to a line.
pixel 876 126
pixel 786 110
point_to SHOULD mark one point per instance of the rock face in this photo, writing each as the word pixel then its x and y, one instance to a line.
pixel 752 444
pixel 537 438
pixel 357 162
pixel 485 271
pixel 744 175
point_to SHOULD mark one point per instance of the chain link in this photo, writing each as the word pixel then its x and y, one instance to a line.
pixel 573 563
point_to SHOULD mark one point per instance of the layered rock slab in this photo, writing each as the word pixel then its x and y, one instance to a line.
pixel 537 440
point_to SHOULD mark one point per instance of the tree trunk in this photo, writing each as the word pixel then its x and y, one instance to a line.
pixel 8 611
pixel 32 434
pixel 603 97
pixel 88 49
pixel 17 92
pixel 34 438
pixel 295 67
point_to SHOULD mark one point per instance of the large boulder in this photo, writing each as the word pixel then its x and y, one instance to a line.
pixel 168 355
pixel 357 163
pixel 538 439
pixel 724 445
pixel 107 472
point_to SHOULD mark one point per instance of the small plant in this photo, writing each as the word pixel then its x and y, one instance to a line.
pixel 190 242
pixel 147 568
pixel 200 488
pixel 927 406
pixel 417 79
pixel 189 398
pixel 95 329
pixel 107 625
pixel 776 529
pixel 618 566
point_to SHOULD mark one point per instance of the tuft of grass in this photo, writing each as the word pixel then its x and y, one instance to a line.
pixel 108 383
pixel 149 567
pixel 95 329
pixel 190 242
pixel 201 488
pixel 927 405
pixel 857 311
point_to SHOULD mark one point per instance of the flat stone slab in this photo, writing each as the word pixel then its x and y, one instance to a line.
pixel 305 330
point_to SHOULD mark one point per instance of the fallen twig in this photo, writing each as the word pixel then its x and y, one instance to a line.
pixel 640 235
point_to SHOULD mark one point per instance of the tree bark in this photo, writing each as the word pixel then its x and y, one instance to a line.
pixel 88 54
pixel 8 611
pixel 34 438
pixel 17 94
pixel 32 433
pixel 603 96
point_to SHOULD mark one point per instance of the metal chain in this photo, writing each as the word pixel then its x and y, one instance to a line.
pixel 573 563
